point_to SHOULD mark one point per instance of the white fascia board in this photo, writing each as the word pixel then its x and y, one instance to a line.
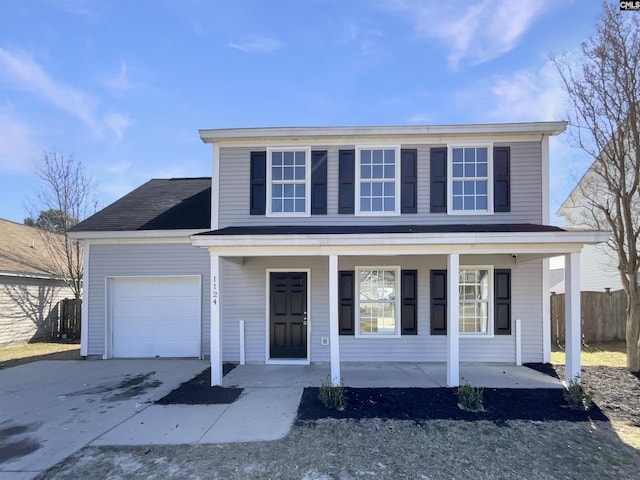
pixel 137 236
pixel 340 134
pixel 483 242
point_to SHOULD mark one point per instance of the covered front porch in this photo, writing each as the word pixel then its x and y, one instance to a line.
pixel 389 375
pixel 503 246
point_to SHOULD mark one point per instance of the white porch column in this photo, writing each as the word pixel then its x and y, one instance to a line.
pixel 334 334
pixel 453 337
pixel 215 334
pixel 572 316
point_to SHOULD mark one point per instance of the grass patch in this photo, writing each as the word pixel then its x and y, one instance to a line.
pixel 33 352
pixel 609 354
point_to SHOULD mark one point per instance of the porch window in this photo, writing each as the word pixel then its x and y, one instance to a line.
pixel 469 179
pixel 288 183
pixel 377 294
pixel 475 300
pixel 377 185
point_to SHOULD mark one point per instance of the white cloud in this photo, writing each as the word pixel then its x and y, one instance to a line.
pixel 23 73
pixel 118 123
pixel 18 149
pixel 84 8
pixel 258 44
pixel 527 95
pixel 119 167
pixel 26 74
pixel 120 81
pixel 473 32
pixel 367 39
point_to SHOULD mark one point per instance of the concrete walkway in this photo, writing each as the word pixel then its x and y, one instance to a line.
pixel 51 409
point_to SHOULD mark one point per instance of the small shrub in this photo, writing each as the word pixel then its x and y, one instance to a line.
pixel 577 395
pixel 470 397
pixel 332 396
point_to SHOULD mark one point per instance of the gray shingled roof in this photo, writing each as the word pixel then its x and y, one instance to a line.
pixel 378 229
pixel 159 204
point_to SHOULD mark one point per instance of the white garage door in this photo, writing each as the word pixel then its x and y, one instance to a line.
pixel 155 317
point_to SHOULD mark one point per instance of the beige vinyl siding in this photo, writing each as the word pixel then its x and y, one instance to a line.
pixel 29 308
pixel 526 191
pixel 140 260
pixel 243 298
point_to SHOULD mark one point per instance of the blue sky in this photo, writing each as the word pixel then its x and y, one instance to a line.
pixel 125 85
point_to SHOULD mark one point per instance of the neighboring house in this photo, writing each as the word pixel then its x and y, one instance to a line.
pixel 598 272
pixel 29 293
pixel 337 244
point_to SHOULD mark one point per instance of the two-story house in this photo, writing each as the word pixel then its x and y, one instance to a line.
pixel 338 244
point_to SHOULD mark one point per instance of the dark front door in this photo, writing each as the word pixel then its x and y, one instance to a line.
pixel 288 322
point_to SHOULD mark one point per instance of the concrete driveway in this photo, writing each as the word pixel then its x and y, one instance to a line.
pixel 50 409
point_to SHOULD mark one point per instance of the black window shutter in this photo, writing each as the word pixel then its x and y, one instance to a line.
pixel 409 180
pixel 409 307
pixel 346 307
pixel 258 195
pixel 347 180
pixel 438 190
pixel 502 179
pixel 438 302
pixel 502 303
pixel 319 182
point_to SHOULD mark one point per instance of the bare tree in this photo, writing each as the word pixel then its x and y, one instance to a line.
pixel 68 191
pixel 603 88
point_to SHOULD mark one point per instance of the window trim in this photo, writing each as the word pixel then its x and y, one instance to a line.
pixel 397 303
pixel 307 182
pixel 489 147
pixel 490 303
pixel 397 180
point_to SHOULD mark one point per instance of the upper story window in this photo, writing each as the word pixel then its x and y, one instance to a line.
pixel 377 182
pixel 471 190
pixel 288 182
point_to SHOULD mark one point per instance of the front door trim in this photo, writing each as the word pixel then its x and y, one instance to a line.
pixel 286 361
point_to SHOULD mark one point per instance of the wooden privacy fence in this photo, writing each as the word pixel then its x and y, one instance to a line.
pixel 69 320
pixel 604 316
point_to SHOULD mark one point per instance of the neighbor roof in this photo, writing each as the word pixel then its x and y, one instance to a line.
pixel 22 250
pixel 159 204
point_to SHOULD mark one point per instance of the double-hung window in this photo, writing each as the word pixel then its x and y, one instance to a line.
pixel 378 181
pixel 469 184
pixel 377 293
pixel 475 311
pixel 288 182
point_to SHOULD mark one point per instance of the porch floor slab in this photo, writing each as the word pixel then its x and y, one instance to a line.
pixel 391 375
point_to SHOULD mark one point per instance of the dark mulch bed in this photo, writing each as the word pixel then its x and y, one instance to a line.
pixel 616 394
pixel 442 404
pixel 198 391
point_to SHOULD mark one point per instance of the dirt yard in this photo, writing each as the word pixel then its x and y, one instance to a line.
pixel 381 448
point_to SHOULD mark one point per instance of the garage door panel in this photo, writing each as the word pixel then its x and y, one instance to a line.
pixel 156 317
